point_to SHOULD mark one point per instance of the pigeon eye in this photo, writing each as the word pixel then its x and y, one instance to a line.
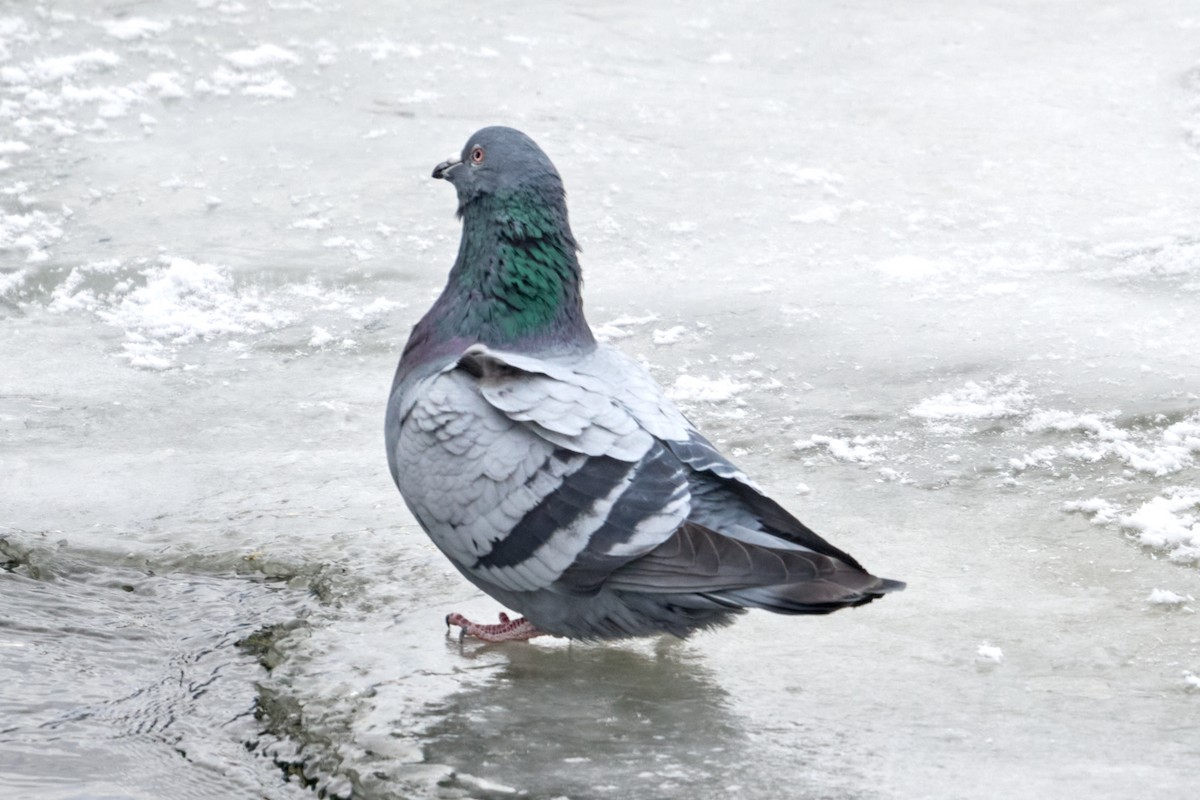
pixel 476 155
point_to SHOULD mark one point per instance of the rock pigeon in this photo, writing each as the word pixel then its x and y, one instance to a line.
pixel 551 469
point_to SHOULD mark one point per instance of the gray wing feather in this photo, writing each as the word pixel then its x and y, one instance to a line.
pixel 565 475
pixel 698 559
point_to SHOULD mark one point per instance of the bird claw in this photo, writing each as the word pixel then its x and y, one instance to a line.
pixel 506 630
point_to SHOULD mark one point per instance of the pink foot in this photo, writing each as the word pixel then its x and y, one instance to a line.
pixel 509 630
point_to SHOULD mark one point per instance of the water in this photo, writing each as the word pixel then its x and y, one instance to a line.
pixel 930 277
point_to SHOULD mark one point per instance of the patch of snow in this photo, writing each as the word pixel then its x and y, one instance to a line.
pixel 261 56
pixel 819 214
pixel 166 84
pixel 854 450
pixel 10 281
pixel 320 337
pixel 418 96
pixel 1165 597
pixel 1041 457
pixel 112 101
pixel 132 28
pixel 1101 511
pixel 31 233
pixel 175 303
pixel 1166 257
pixel 1173 450
pixel 700 388
pixel 268 84
pixel 989 652
pixel 1003 397
pixel 45 70
pixel 277 89
pixel 808 176
pixel 615 329
pixel 1170 522
pixel 311 224
pixel 669 335
pixel 377 307
pixel 381 49
pixel 909 268
pixel 361 250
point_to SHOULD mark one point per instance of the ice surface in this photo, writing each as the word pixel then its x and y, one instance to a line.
pixel 929 275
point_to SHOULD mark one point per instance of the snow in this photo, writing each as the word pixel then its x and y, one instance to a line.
pixel 909 268
pixel 1162 258
pixel 1165 597
pixel 261 56
pixel 380 306
pixel 1158 451
pixel 46 70
pixel 311 224
pixel 814 176
pixel 989 653
pixel 276 88
pixel 618 328
pixel 320 337
pixel 1097 425
pixel 131 28
pixel 669 335
pixel 1101 511
pixel 703 389
pixel 30 234
pixel 169 304
pixel 825 213
pixel 166 84
pixel 269 84
pixel 111 101
pixel 1169 522
pixel 854 449
pixel 1004 396
pixel 382 49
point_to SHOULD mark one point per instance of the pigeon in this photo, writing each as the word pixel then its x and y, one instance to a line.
pixel 551 469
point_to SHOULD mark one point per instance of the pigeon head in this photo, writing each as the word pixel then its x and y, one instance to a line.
pixel 500 163
pixel 516 281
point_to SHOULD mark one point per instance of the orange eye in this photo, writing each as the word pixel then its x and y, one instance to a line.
pixel 476 155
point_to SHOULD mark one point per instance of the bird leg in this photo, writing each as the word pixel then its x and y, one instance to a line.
pixel 508 630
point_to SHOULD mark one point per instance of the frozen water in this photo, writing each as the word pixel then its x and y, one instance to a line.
pixel 930 275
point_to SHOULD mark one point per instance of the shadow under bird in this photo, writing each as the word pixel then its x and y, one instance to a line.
pixel 552 470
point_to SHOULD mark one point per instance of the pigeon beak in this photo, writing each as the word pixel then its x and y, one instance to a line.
pixel 441 169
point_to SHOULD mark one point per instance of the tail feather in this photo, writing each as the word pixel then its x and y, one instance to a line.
pixel 739 574
pixel 810 597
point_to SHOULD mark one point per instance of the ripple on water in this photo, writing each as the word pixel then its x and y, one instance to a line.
pixel 117 682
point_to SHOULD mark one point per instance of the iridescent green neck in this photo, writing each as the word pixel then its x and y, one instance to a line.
pixel 516 278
